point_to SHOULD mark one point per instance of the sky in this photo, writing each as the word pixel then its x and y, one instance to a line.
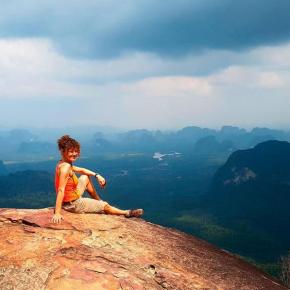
pixel 145 64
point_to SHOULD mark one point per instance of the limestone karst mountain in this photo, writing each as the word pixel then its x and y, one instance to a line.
pixel 250 195
pixel 89 251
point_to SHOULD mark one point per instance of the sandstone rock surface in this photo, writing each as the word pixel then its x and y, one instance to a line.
pixel 88 251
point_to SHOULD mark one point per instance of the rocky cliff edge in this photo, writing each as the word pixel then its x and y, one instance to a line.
pixel 89 251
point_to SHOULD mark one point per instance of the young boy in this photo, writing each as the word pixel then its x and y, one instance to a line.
pixel 70 188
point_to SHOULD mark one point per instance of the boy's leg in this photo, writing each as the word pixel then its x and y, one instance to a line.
pixel 108 209
pixel 85 183
pixel 91 189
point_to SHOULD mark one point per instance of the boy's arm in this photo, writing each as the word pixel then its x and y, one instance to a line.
pixel 85 171
pixel 88 172
pixel 64 171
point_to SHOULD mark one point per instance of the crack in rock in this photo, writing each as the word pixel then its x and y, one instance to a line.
pixel 86 253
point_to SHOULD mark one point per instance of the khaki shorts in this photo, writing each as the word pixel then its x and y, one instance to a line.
pixel 85 205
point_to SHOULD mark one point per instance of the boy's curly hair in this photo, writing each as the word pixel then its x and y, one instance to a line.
pixel 66 142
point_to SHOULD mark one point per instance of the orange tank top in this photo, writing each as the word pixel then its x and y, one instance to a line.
pixel 70 192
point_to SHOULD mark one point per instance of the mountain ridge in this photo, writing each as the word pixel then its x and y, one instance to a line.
pixel 250 194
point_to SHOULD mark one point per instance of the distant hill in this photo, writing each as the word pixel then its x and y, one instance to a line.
pixel 251 180
pixel 21 144
pixel 252 191
pixel 3 169
pixel 210 145
pixel 30 189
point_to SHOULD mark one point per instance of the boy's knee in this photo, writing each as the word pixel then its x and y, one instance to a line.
pixel 107 208
pixel 84 178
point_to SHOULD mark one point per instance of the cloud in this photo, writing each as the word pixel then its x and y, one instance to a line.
pixel 32 68
pixel 169 87
pixel 38 85
pixel 106 29
pixel 271 80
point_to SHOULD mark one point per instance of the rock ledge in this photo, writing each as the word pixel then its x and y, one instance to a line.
pixel 88 251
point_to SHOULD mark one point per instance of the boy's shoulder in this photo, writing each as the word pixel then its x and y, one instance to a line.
pixel 64 166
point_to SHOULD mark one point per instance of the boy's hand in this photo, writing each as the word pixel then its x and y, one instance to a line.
pixel 57 218
pixel 101 180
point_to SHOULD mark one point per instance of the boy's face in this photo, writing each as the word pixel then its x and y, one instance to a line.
pixel 71 154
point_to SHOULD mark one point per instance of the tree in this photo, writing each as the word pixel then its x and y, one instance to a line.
pixel 285 270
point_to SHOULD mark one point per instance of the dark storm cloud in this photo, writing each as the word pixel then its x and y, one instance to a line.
pixel 99 29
